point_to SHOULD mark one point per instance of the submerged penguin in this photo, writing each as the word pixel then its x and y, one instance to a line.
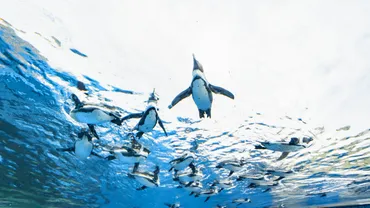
pixel 242 201
pixel 148 118
pixel 286 148
pixel 223 183
pixel 175 205
pixel 201 90
pixel 82 148
pixel 147 179
pixel 194 175
pixel 279 174
pixel 211 192
pixel 232 165
pixel 192 186
pixel 127 155
pixel 92 115
pixel 181 162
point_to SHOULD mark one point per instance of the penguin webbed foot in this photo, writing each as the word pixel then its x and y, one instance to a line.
pixel 141 188
pixel 110 157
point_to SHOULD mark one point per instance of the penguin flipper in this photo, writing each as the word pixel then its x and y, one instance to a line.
pixel 92 129
pixel 207 199
pixel 132 115
pixel 162 126
pixel 231 172
pixel 167 204
pixel 184 94
pixel 156 172
pixel 283 155
pixel 222 91
pixel 78 103
pixel 69 149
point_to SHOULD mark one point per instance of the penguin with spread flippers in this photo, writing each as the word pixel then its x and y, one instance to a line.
pixel 286 148
pixel 82 148
pixel 147 179
pixel 181 162
pixel 127 155
pixel 148 119
pixel 201 91
pixel 92 115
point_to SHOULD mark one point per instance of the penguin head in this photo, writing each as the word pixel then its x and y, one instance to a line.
pixel 153 97
pixel 307 140
pixel 197 65
pixel 294 141
pixel 83 134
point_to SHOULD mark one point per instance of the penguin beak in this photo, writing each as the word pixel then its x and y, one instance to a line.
pixel 196 64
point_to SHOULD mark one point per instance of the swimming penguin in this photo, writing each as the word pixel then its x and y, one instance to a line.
pixel 279 174
pixel 220 206
pixel 82 148
pixel 127 155
pixel 147 179
pixel 148 118
pixel 292 146
pixel 211 192
pixel 192 186
pixel 181 162
pixel 194 175
pixel 176 205
pixel 201 90
pixel 232 165
pixel 252 178
pixel 242 201
pixel 223 183
pixel 92 115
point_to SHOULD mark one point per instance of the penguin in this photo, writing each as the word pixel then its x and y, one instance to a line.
pixel 148 119
pixel 192 186
pixel 279 174
pixel 127 155
pixel 223 183
pixel 286 148
pixel 194 175
pixel 252 178
pixel 181 162
pixel 220 206
pixel 176 205
pixel 92 115
pixel 232 165
pixel 201 91
pixel 147 179
pixel 211 192
pixel 241 201
pixel 82 148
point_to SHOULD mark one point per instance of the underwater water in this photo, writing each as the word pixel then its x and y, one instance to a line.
pixel 39 72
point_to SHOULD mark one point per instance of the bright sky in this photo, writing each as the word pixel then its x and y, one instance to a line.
pixel 277 57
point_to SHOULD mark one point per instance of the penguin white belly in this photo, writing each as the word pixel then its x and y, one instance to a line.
pixel 125 159
pixel 182 165
pixel 283 147
pixel 145 181
pixel 83 149
pixel 189 178
pixel 96 116
pixel 200 95
pixel 232 167
pixel 149 122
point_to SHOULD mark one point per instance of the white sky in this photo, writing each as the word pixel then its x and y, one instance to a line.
pixel 277 57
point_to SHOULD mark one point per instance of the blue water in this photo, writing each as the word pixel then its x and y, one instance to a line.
pixel 34 121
